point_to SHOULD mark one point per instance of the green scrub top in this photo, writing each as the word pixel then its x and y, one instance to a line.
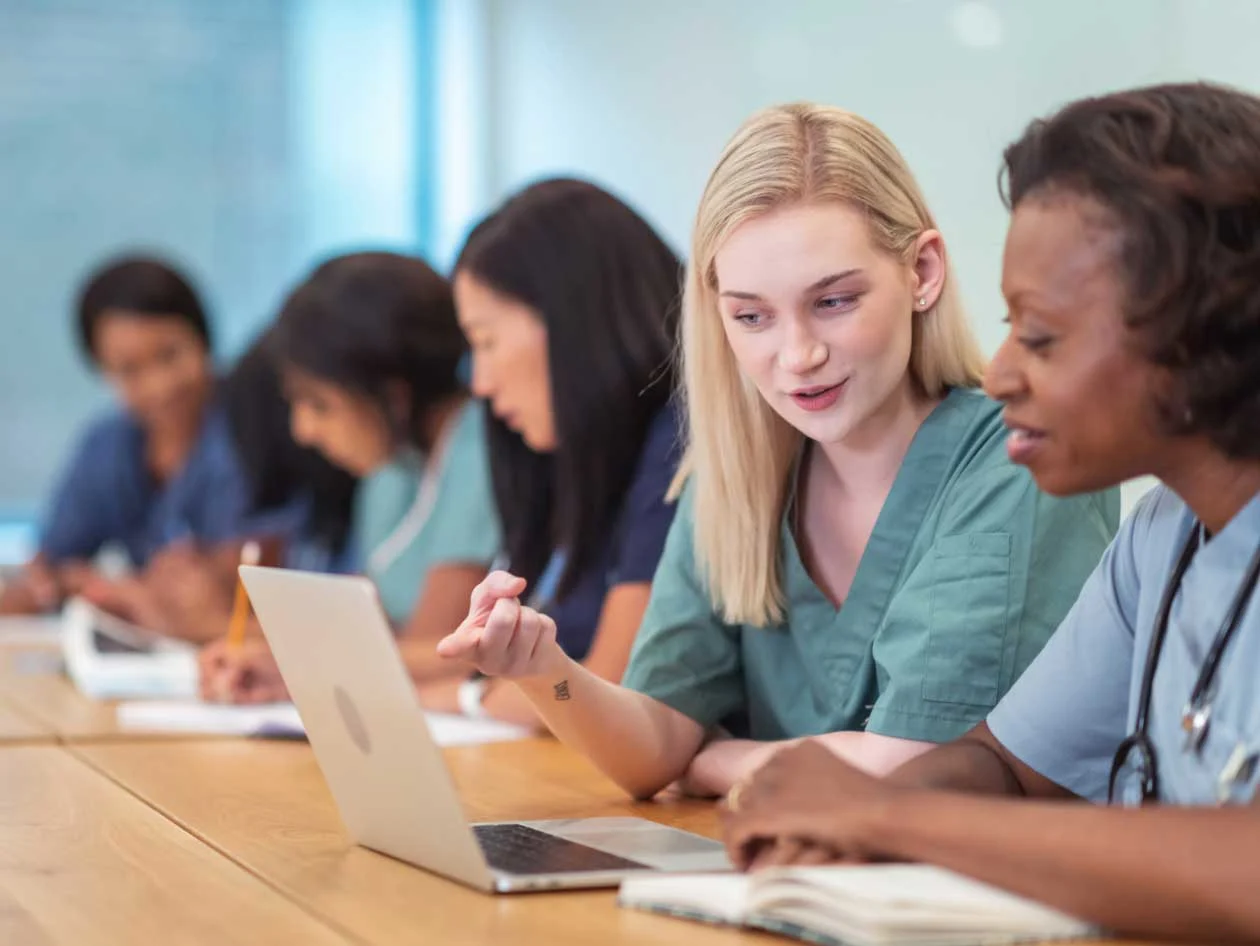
pixel 457 526
pixel 968 571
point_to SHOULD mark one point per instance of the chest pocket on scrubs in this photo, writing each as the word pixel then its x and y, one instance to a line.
pixel 967 622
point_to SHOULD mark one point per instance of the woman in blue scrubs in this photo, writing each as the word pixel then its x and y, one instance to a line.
pixel 1132 276
pixel 160 468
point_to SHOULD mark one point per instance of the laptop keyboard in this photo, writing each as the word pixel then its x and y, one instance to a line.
pixel 520 849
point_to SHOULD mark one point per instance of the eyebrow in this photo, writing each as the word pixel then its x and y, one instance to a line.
pixel 812 287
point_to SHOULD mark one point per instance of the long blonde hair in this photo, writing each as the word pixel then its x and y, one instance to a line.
pixel 740 452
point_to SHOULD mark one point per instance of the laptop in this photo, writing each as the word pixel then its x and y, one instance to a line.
pixel 337 655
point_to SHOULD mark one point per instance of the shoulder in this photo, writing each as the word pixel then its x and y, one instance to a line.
pixel 1156 521
pixel 664 434
pixel 662 446
pixel 109 444
pixel 111 430
pixel 215 441
pixel 984 485
pixel 470 426
pixel 979 431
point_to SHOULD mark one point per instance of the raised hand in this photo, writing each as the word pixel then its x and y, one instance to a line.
pixel 501 637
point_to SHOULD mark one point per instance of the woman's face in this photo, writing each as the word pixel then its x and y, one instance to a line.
pixel 1078 396
pixel 820 319
pixel 158 365
pixel 510 364
pixel 350 430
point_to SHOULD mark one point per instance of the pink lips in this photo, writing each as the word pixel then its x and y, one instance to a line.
pixel 817 398
pixel 1022 443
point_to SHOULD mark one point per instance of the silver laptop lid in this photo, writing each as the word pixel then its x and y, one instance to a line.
pixel 336 652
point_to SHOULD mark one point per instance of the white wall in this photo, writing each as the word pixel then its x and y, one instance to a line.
pixel 641 96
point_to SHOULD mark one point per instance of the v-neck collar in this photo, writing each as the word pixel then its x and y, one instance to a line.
pixel 849 628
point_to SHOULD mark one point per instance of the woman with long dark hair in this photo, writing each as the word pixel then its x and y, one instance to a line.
pixel 569 300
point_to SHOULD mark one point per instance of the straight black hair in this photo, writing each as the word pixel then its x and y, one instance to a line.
pixel 140 286
pixel 278 468
pixel 606 288
pixel 367 321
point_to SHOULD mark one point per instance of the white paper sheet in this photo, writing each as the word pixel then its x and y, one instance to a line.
pixel 281 720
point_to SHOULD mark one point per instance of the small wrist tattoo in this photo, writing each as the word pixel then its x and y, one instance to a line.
pixel 562 690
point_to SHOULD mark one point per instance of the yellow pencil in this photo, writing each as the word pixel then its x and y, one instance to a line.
pixel 250 553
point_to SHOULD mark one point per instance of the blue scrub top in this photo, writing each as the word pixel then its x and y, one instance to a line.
pixel 107 496
pixel 633 547
pixel 1067 715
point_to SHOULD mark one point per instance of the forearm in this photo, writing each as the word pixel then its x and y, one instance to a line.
pixel 963 766
pixel 638 742
pixel 1166 872
pixel 977 763
pixel 16 597
pixel 723 762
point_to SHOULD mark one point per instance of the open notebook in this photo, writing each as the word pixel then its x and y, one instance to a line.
pixel 876 905
pixel 110 659
pixel 281 721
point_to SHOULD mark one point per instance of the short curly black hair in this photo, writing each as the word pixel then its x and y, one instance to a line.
pixel 1177 169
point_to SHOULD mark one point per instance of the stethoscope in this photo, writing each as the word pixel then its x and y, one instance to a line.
pixel 1196 717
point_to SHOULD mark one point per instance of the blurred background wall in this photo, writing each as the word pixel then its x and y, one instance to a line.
pixel 247 139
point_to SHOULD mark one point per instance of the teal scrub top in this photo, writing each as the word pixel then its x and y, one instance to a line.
pixel 967 572
pixel 461 526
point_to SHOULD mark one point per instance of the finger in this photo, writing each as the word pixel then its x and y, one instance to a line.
pixel 495 586
pixel 812 855
pixel 211 657
pixel 462 642
pixel 499 633
pixel 528 628
pixel 776 853
pixel 207 685
pixel 546 635
pixel 785 851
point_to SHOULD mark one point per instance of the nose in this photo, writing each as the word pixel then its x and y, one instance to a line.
pixel 1004 378
pixel 159 385
pixel 303 426
pixel 802 350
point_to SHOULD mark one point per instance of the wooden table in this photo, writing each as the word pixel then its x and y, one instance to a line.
pixel 106 838
pixel 17 727
pixel 82 861
pixel 266 807
pixel 32 684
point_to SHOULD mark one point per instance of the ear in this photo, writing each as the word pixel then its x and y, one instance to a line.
pixel 928 265
pixel 398 406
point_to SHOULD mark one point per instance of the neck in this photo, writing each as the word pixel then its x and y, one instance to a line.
pixel 1215 487
pixel 868 459
pixel 437 418
pixel 167 446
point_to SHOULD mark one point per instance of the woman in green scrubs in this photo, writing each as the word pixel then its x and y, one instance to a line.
pixel 854 555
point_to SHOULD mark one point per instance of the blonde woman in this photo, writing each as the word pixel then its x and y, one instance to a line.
pixel 854 557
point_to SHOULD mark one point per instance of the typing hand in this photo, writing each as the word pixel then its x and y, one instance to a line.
pixel 501 637
pixel 804 806
pixel 247 674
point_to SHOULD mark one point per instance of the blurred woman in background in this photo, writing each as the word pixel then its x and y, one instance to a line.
pixel 160 468
pixel 369 352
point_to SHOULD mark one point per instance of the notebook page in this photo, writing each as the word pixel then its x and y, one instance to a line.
pixel 907 900
pixel 715 898
pixel 282 719
pixel 188 716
